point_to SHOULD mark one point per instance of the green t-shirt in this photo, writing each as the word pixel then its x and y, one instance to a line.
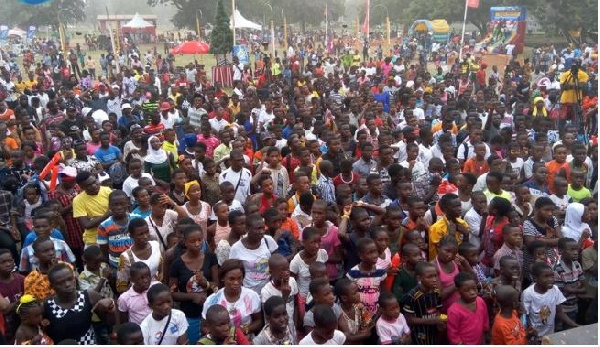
pixel 578 195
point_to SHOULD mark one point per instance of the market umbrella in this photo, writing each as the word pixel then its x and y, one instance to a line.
pixel 191 47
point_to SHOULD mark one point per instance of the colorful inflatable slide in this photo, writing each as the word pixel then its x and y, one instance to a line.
pixel 507 26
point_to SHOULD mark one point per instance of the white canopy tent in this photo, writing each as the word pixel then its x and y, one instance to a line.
pixel 243 23
pixel 137 22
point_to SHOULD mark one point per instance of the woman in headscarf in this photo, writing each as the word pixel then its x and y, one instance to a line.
pixel 575 224
pixel 158 163
pixel 539 108
pixel 196 209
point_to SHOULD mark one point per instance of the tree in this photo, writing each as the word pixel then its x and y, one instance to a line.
pixel 186 11
pixel 562 16
pixel 68 11
pixel 221 40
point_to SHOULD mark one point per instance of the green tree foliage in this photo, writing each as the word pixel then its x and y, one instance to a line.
pixel 186 11
pixel 562 16
pixel 19 14
pixel 307 12
pixel 221 40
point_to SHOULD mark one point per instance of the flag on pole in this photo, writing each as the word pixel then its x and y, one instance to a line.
pixel 325 11
pixel 366 24
pixel 473 3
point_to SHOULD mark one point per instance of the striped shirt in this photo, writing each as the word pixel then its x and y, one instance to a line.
pixel 116 237
pixel 30 262
pixel 423 305
pixel 368 285
pixel 566 276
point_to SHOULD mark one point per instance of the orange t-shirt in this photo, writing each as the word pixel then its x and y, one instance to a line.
pixel 438 126
pixel 475 167
pixel 553 168
pixel 508 331
pixel 11 143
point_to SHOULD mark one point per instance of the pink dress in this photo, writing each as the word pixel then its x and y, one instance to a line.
pixel 447 279
pixel 466 327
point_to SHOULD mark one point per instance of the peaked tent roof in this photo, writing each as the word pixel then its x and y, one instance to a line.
pixel 243 23
pixel 138 22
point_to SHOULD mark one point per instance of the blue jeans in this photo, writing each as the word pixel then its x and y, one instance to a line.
pixel 194 329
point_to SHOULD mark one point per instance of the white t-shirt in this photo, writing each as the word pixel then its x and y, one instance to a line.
pixel 561 204
pixel 474 220
pixel 269 290
pixel 243 178
pixel 256 262
pixel 395 329
pixel 131 183
pixel 338 339
pixel 168 224
pixel 300 268
pixel 241 311
pixel 152 329
pixel 541 308
pixel 517 166
pixel 419 113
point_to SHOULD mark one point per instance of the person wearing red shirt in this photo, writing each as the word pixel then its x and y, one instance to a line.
pixel 481 77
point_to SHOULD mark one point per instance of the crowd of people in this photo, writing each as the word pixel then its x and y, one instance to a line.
pixel 321 200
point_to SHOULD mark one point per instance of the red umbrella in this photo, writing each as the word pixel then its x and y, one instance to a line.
pixel 191 47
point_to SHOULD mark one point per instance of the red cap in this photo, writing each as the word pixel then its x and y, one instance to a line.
pixel 165 106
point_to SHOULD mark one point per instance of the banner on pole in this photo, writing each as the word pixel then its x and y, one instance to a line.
pixel 3 32
pixel 30 33
pixel 473 3
pixel 366 23
pixel 241 51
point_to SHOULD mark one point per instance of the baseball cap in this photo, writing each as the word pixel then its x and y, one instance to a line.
pixel 165 106
pixel 124 106
pixel 266 135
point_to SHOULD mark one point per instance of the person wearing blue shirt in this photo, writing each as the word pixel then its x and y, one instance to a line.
pixel 106 153
pixel 32 236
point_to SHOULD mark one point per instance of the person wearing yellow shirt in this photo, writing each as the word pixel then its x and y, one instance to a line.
pixel 449 224
pixel 170 144
pixel 571 89
pixel 235 107
pixel 90 207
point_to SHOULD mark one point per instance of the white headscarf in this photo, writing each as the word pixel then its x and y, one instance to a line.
pixel 574 227
pixel 155 156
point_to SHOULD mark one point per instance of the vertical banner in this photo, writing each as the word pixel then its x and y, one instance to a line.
pixel 366 23
pixel 63 38
pixel 30 33
pixel 3 33
pixel 473 3
pixel 241 51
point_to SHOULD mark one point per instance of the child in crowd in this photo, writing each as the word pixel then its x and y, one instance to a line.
pixel 312 252
pixel 560 198
pixel 356 316
pixel 468 317
pixel 322 294
pixel 30 332
pixel 219 329
pixel 576 190
pixel 133 304
pixel 330 241
pixel 284 286
pixel 508 328
pixel 287 223
pixel 366 274
pixel 219 230
pixel 325 330
pixel 543 301
pixel 130 334
pixel 36 282
pixel 284 238
pixel 569 276
pixel 422 306
pixel 277 331
pixel 142 200
pixel 165 325
pixel 391 326
pixel 95 276
pixel 512 245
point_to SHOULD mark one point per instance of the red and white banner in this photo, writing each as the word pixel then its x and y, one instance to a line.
pixel 366 23
pixel 473 3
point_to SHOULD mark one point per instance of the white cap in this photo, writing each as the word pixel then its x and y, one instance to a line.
pixel 85 111
pixel 124 106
